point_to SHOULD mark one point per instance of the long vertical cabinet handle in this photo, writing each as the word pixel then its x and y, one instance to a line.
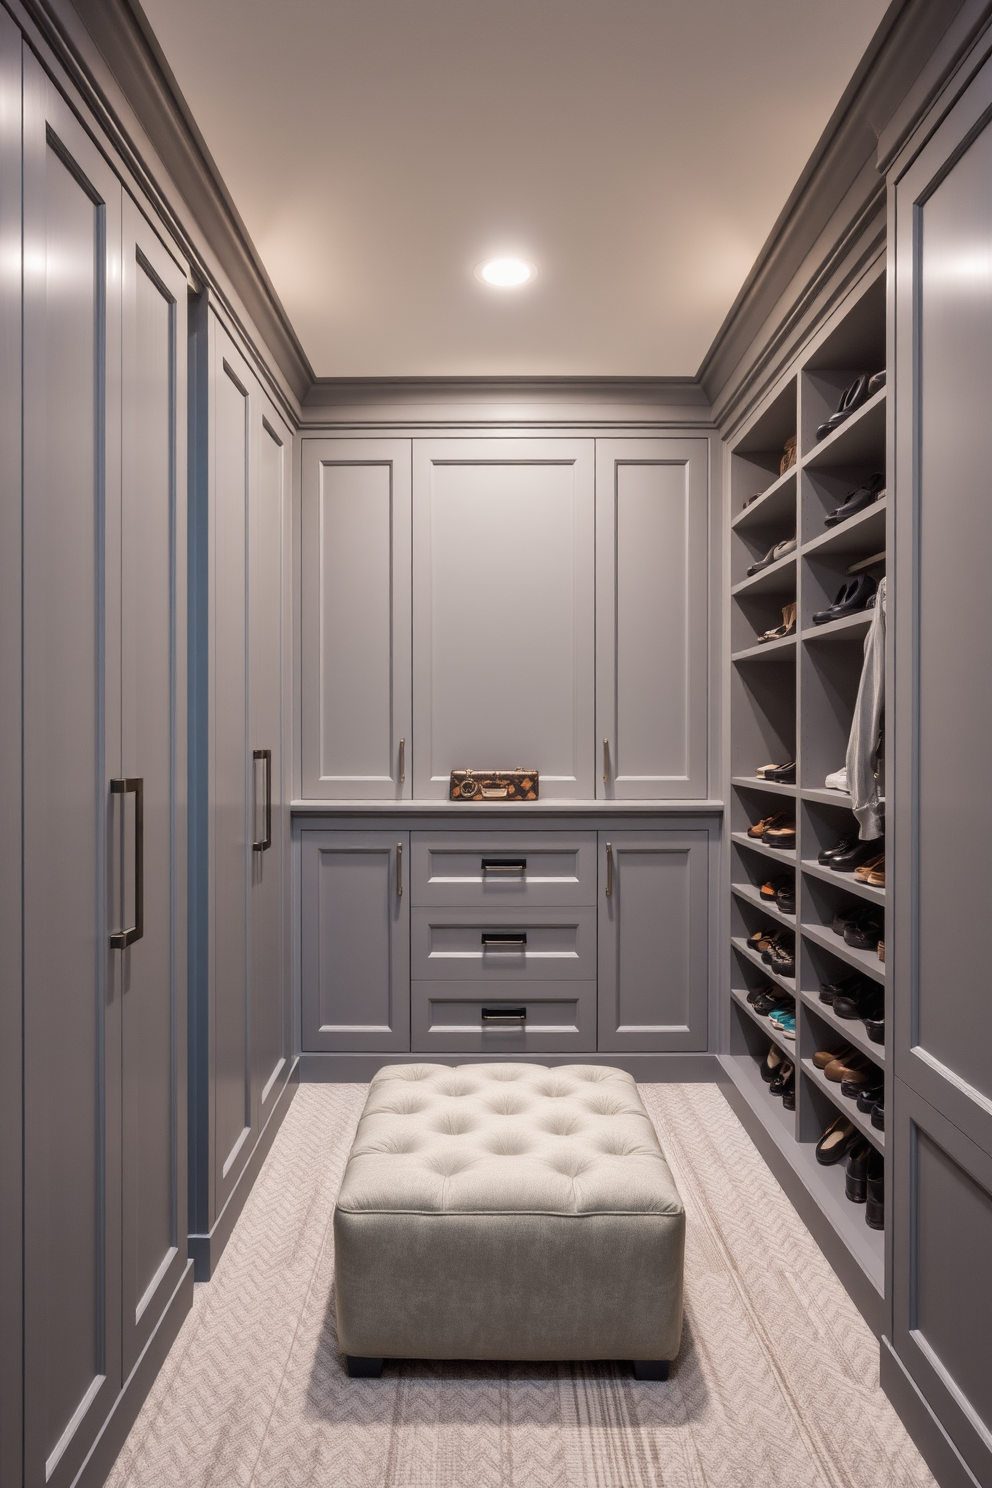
pixel 606 761
pixel 265 755
pixel 609 870
pixel 399 870
pixel 402 769
pixel 133 785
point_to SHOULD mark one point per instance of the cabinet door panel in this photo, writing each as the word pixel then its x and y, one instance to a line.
pixel 153 728
pixel 652 616
pixel 653 941
pixel 270 1043
pixel 504 611
pixel 356 618
pixel 71 731
pixel 229 773
pixel 355 941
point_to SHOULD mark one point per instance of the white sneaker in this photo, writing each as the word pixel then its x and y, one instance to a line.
pixel 838 780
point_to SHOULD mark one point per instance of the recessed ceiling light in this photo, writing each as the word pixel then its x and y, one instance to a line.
pixel 506 273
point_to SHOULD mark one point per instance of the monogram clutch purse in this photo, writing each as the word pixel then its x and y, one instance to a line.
pixel 494 785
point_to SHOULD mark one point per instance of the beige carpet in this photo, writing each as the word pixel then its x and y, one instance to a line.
pixel 776 1382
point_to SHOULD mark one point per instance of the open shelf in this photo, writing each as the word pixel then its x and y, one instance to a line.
pixel 863 534
pixel 754 782
pixel 845 1105
pixel 848 627
pixel 788 1046
pixel 765 649
pixel 778 854
pixel 846 881
pixel 853 1030
pixel 828 797
pixel 777 578
pixel 866 961
pixel 788 984
pixel 774 507
pixel 752 896
pixel 860 440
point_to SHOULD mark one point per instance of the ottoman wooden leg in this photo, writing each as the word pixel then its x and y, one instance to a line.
pixel 651 1369
pixel 362 1368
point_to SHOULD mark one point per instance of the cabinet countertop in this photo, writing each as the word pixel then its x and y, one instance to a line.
pixel 518 811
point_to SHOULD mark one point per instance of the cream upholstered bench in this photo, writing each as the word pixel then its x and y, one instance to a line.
pixel 507 1211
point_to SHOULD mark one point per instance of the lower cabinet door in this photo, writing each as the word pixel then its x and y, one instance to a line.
pixel 504 1018
pixel 653 912
pixel 355 941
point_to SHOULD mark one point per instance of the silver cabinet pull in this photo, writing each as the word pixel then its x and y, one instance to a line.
pixel 606 761
pixel 496 940
pixel 609 870
pixel 515 1015
pixel 399 870
pixel 504 865
pixel 265 755
pixel 402 766
pixel 135 786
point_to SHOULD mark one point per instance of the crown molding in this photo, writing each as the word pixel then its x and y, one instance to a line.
pixel 109 55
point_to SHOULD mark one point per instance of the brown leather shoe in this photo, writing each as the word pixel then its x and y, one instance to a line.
pixel 767 821
pixel 823 1057
pixel 853 1067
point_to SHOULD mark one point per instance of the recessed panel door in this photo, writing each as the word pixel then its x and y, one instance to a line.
pixel 72 987
pixel 355 941
pixel 267 949
pixel 355 641
pixel 653 937
pixel 652 617
pixel 153 713
pixel 504 600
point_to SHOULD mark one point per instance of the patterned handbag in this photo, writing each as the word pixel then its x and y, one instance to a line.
pixel 494 785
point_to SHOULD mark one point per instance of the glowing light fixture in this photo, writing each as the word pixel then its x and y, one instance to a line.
pixel 506 273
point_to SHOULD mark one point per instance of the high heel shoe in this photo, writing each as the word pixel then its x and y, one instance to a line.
pixel 780 632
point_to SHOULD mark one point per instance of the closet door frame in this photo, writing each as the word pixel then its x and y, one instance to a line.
pixel 396 784
pixel 693 456
pixel 51 129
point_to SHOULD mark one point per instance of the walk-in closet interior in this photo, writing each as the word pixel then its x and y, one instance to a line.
pixel 492 956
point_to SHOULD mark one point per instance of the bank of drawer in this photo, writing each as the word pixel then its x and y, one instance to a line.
pixel 502 868
pixel 456 1016
pixel 521 945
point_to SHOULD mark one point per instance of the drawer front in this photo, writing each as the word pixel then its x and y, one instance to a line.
pixel 525 945
pixel 494 869
pixel 457 1016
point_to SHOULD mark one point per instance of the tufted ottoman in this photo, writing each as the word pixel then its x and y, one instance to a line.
pixel 508 1211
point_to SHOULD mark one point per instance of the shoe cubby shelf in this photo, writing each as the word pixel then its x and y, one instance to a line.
pixel 851 1030
pixel 793 699
pixel 845 1104
pixel 788 984
pixel 846 881
pixel 860 441
pixel 788 1046
pixel 784 855
pixel 866 961
pixel 751 895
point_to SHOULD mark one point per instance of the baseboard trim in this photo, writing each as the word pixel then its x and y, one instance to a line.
pixel 206 1250
pixel 935 1446
pixel 661 1069
pixel 865 1296
pixel 105 1450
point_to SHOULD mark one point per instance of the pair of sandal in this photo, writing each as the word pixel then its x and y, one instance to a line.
pixel 872 872
pixel 786 628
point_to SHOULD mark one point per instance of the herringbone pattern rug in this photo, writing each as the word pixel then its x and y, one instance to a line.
pixel 776 1384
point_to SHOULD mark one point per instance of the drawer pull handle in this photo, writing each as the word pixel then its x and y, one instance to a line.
pixel 609 870
pixel 491 941
pixel 399 870
pixel 504 865
pixel 504 1015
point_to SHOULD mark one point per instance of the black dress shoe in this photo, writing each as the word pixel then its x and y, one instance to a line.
pixel 844 917
pixel 878 1113
pixel 856 1183
pixel 868 1097
pixel 852 597
pixel 867 997
pixel 761 991
pixel 789 1093
pixel 875 1026
pixel 772 1000
pixel 851 400
pixel 784 774
pixel 858 500
pixel 875 1206
pixel 785 898
pixel 864 933
pixel 836 1142
pixel 826 854
pixel 830 990
pixel 854 855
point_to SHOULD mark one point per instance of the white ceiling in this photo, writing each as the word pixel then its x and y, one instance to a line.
pixel 638 151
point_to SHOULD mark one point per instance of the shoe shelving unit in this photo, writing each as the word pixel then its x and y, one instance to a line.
pixel 793 698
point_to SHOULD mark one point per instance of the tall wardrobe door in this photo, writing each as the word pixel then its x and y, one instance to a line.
pixel 651 617
pixel 355 643
pixel 229 765
pixel 269 1005
pixel 153 535
pixel 504 611
pixel 71 730
pixel 941 737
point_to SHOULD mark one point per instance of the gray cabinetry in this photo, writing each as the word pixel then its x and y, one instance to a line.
pixel 239 1014
pixel 652 617
pixel 941 1132
pixel 104 788
pixel 653 940
pixel 356 618
pixel 355 941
